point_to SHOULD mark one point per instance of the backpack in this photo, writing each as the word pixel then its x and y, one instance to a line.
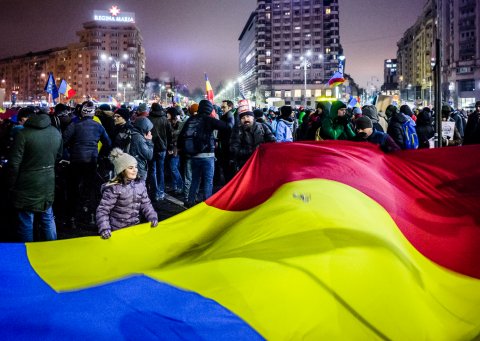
pixel 196 140
pixel 123 140
pixel 409 133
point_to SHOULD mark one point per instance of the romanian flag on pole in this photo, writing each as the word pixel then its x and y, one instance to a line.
pixel 339 241
pixel 66 90
pixel 209 90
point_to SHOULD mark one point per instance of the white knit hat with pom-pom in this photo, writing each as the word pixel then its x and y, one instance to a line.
pixel 121 160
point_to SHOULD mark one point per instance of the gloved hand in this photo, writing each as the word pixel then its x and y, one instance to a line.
pixel 342 120
pixel 154 223
pixel 106 234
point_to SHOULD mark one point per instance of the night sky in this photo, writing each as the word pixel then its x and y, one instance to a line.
pixel 185 38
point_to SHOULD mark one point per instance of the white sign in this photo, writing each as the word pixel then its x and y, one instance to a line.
pixel 448 128
pixel 114 15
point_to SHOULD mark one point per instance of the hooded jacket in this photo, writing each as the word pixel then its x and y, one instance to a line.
pixel 32 164
pixel 334 127
pixel 395 128
pixel 141 148
pixel 161 131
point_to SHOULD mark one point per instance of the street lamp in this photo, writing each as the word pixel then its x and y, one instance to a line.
pixel 117 64
pixel 305 63
pixel 124 90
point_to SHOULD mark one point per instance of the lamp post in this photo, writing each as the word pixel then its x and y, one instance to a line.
pixel 305 63
pixel 124 90
pixel 117 64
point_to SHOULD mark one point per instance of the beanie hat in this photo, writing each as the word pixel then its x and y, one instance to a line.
pixel 193 108
pixel 88 109
pixel 125 113
pixel 205 107
pixel 104 107
pixel 244 108
pixel 286 111
pixel 258 113
pixel 477 104
pixel 121 160
pixel 363 122
pixel 142 107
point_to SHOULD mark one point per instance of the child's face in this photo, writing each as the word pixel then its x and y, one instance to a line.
pixel 131 172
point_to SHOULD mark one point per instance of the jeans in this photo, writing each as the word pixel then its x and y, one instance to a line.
pixel 177 182
pixel 188 177
pixel 47 224
pixel 201 168
pixel 157 175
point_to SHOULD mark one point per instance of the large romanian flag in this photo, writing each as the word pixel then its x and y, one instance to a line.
pixel 322 241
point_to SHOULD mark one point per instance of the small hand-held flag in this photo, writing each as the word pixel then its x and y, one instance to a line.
pixel 51 87
pixel 209 89
pixel 66 90
pixel 337 77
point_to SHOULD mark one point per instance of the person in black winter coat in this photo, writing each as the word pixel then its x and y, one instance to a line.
pixel 425 129
pixel 395 128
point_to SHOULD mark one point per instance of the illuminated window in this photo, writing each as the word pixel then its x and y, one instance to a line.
pixel 327 10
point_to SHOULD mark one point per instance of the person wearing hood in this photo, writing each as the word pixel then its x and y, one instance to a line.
pixel 141 147
pixel 162 143
pixel 31 179
pixel 425 129
pixel 395 129
pixel 406 110
pixel 379 122
pixel 284 132
pixel 337 125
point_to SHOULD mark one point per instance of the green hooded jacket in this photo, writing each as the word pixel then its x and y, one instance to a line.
pixel 335 128
pixel 32 164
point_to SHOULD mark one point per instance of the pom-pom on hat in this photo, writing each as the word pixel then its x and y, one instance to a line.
pixel 121 160
pixel 88 109
pixel 243 108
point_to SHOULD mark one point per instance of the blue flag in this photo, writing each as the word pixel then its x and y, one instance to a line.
pixel 51 87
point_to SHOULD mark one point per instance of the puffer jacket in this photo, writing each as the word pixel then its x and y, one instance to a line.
pixel 81 138
pixel 395 128
pixel 122 204
pixel 244 141
pixel 141 148
pixel 31 177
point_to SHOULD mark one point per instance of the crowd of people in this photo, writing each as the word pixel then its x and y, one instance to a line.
pixel 107 165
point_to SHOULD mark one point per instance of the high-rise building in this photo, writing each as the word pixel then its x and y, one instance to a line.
pixel 108 60
pixel 460 36
pixel 390 80
pixel 455 24
pixel 414 57
pixel 289 49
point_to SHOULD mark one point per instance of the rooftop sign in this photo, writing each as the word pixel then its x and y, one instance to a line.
pixel 114 15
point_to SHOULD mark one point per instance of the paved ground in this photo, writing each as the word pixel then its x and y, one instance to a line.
pixel 165 209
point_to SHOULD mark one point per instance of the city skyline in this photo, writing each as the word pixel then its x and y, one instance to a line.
pixel 184 41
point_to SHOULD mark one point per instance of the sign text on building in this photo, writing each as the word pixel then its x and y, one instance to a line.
pixel 114 15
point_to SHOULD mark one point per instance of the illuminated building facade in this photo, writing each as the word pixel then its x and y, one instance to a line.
pixel 108 61
pixel 289 49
